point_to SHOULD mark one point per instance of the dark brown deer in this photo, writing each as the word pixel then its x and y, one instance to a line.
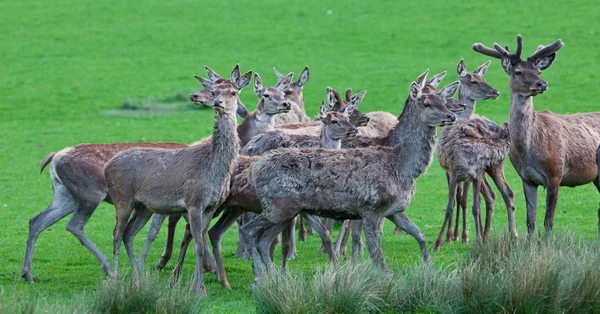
pixel 548 149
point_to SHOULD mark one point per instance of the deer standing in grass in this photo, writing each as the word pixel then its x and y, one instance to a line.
pixel 547 149
pixel 79 186
pixel 243 198
pixel 374 182
pixel 295 96
pixel 193 180
pixel 466 150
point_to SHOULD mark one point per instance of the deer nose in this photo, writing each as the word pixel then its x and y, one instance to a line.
pixel 287 105
pixel 542 85
pixel 193 96
pixel 217 102
pixel 452 117
pixel 496 92
pixel 367 118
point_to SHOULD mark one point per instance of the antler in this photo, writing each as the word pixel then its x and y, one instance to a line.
pixel 279 75
pixel 499 52
pixel 550 49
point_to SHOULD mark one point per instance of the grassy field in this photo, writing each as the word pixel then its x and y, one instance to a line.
pixel 68 65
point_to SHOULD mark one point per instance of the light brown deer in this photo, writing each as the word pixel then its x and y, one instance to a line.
pixel 294 94
pixel 547 149
pixel 376 181
pixel 465 150
pixel 193 180
pixel 79 187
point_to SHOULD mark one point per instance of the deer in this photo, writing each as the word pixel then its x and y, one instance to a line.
pixel 243 197
pixel 547 149
pixel 79 187
pixel 377 181
pixel 469 148
pixel 193 180
pixel 272 102
pixel 294 94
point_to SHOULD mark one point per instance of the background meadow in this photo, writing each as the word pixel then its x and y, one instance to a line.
pixel 69 66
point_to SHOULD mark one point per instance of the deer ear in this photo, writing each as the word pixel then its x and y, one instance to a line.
pixel 359 97
pixel 244 80
pixel 482 68
pixel 323 111
pixel 279 75
pixel 436 79
pixel 507 65
pixel 545 62
pixel 348 94
pixel 461 69
pixel 350 108
pixel 206 83
pixel 449 90
pixel 303 77
pixel 285 82
pixel 258 87
pixel 330 97
pixel 415 91
pixel 235 74
pixel 212 75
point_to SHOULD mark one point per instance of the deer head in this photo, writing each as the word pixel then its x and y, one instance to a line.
pixel 294 92
pixel 272 99
pixel 338 104
pixel 524 74
pixel 205 96
pixel 431 103
pixel 337 124
pixel 473 84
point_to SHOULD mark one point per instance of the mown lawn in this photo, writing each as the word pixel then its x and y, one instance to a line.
pixel 67 65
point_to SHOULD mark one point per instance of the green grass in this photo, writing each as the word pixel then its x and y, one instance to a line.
pixel 66 64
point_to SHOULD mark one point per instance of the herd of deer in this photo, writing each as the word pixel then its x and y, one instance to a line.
pixel 278 164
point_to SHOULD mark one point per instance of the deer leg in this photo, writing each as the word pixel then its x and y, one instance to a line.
pixel 329 225
pixel 187 239
pixel 155 225
pixel 342 240
pixel 490 199
pixel 371 226
pixel 137 222
pixel 402 221
pixel 168 252
pixel 77 223
pixel 292 253
pixel 551 201
pixel 531 192
pixel 497 174
pixel 458 208
pixel 452 183
pixel 463 207
pixel 357 243
pixel 242 250
pixel 62 205
pixel 251 230
pixel 325 237
pixel 229 216
pixel 302 230
pixel 265 242
pixel 285 244
pixel 476 208
pixel 199 221
pixel 123 210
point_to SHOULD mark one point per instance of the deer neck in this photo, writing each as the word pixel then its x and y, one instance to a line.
pixel 412 143
pixel 468 102
pixel 521 119
pixel 327 141
pixel 225 146
pixel 256 123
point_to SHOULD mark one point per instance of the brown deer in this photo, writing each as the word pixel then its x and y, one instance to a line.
pixel 193 180
pixel 79 186
pixel 466 149
pixel 547 149
pixel 376 181
pixel 294 94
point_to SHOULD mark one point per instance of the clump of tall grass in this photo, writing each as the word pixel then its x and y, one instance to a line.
pixel 559 274
pixel 351 288
pixel 147 294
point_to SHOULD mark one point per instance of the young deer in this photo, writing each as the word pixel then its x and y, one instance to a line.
pixel 377 181
pixel 243 198
pixel 79 186
pixel 547 149
pixel 194 179
pixel 466 149
pixel 294 95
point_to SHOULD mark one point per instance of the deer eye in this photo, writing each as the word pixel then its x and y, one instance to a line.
pixel 426 104
pixel 518 72
pixel 334 122
pixel 234 93
pixel 474 82
pixel 266 95
pixel 288 92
